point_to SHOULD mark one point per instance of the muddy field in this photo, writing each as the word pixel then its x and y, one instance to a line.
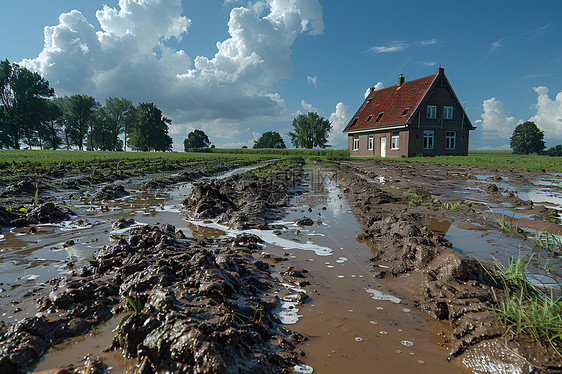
pixel 228 267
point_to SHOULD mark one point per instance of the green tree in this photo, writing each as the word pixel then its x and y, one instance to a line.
pixel 196 139
pixel 527 138
pixel 555 151
pixel 120 116
pixel 151 130
pixel 270 139
pixel 310 131
pixel 79 112
pixel 23 96
pixel 50 129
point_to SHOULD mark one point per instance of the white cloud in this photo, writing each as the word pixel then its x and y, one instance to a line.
pixel 400 45
pixel 312 80
pixel 308 107
pixel 395 46
pixel 428 63
pixel 131 57
pixel 428 42
pixel 549 115
pixel 495 127
pixel 377 86
pixel 339 119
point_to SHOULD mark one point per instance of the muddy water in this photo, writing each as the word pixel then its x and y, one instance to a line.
pixel 31 256
pixel 353 322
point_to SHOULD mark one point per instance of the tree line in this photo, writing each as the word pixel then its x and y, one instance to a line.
pixel 309 131
pixel 31 115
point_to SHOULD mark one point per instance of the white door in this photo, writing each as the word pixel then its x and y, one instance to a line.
pixel 383 146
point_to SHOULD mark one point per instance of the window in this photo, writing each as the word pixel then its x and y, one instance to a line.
pixel 368 101
pixel 371 142
pixel 428 139
pixel 405 112
pixel 448 112
pixel 355 142
pixel 379 116
pixel 369 118
pixel 354 122
pixel 394 141
pixel 450 140
pixel 431 111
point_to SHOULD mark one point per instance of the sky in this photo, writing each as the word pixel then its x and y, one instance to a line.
pixel 236 69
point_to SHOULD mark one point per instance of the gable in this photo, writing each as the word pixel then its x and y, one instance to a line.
pixel 398 104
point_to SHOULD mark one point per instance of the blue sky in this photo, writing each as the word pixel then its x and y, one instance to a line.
pixel 239 68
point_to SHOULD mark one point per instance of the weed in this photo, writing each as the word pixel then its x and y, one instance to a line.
pixel 134 303
pixel 548 241
pixel 411 196
pixel 36 201
pixel 526 309
pixel 514 275
pixel 23 210
pixel 447 205
pixel 506 226
pixel 9 207
pixel 389 187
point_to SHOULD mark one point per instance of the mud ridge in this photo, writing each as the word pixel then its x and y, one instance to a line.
pixel 249 200
pixel 187 306
pixel 446 284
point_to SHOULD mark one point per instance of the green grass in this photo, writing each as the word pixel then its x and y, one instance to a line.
pixel 496 159
pixel 448 205
pixel 55 157
pixel 548 241
pixel 526 309
pixel 500 159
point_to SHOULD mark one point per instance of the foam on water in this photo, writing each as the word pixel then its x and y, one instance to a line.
pixel 378 295
pixel 269 237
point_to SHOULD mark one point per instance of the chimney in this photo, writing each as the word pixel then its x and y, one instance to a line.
pixel 400 80
pixel 440 70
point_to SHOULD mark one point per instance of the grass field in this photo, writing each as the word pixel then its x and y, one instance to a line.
pixel 498 159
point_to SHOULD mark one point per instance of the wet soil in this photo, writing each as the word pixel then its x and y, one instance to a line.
pixel 447 284
pixel 310 273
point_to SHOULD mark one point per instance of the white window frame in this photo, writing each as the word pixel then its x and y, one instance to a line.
pixel 395 141
pixel 447 112
pixel 355 143
pixel 371 142
pixel 450 140
pixel 430 137
pixel 431 111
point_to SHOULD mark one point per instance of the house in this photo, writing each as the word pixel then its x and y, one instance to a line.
pixel 419 117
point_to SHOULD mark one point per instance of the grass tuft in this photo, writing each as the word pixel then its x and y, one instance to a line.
pixel 527 309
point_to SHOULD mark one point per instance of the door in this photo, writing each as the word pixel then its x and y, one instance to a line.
pixel 383 146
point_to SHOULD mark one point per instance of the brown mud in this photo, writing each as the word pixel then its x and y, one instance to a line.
pixel 244 201
pixel 448 285
pixel 193 306
pixel 215 296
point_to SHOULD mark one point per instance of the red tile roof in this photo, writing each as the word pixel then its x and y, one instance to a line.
pixel 391 102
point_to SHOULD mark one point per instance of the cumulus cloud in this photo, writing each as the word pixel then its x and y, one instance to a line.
pixel 495 125
pixel 312 80
pixel 131 57
pixel 549 114
pixel 339 119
